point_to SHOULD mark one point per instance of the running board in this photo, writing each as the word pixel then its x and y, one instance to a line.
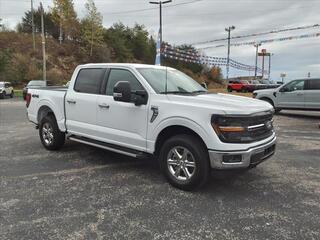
pixel 109 147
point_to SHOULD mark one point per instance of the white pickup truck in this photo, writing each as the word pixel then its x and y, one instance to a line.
pixel 143 110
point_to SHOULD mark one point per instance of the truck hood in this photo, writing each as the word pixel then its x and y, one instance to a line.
pixel 226 103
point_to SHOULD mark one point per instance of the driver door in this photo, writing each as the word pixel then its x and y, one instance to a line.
pixel 292 95
pixel 122 123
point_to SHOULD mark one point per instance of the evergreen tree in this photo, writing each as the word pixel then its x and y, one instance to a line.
pixel 92 29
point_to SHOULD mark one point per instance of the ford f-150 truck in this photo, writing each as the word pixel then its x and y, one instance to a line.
pixel 143 111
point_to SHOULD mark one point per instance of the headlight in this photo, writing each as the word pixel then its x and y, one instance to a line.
pixel 243 129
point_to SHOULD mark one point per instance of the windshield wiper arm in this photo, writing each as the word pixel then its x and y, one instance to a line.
pixel 175 92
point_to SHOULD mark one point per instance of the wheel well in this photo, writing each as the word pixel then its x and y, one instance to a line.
pixel 43 112
pixel 267 100
pixel 171 131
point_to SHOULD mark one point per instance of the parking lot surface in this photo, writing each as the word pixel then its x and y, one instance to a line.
pixel 82 192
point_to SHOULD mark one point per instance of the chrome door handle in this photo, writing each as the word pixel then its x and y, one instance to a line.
pixel 104 106
pixel 299 94
pixel 71 101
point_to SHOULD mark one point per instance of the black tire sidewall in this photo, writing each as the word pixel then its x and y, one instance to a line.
pixel 58 137
pixel 200 154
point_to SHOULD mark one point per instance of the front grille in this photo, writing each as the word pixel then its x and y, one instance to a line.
pixel 257 127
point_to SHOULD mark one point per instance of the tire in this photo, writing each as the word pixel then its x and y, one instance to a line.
pixel 276 110
pixel 193 170
pixel 3 95
pixel 244 90
pixel 50 135
pixel 229 89
pixel 12 94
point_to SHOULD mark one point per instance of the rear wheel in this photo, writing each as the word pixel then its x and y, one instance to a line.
pixel 51 137
pixel 12 94
pixel 185 162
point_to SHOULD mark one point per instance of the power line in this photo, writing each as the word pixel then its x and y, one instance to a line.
pixel 259 34
pixel 312 35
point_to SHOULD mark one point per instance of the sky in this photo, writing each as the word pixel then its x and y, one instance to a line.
pixel 192 21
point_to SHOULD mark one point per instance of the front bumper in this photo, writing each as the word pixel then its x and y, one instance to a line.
pixel 242 159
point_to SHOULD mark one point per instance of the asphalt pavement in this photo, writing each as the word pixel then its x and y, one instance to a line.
pixel 82 192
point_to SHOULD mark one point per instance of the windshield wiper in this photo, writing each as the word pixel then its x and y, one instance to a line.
pixel 175 92
pixel 200 91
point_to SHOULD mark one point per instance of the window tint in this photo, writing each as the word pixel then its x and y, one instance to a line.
pixel 314 84
pixel 295 85
pixel 89 80
pixel 117 75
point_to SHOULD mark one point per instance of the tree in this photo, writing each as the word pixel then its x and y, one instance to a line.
pixel 92 29
pixel 65 17
pixel 51 28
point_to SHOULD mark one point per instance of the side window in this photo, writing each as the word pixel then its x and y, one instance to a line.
pixel 295 86
pixel 89 80
pixel 314 84
pixel 117 75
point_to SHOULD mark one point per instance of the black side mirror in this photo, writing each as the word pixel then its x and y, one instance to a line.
pixel 284 89
pixel 122 92
pixel 141 97
pixel 204 85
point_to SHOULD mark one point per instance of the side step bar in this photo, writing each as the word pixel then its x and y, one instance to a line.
pixel 109 147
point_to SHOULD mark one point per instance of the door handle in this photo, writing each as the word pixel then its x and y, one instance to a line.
pixel 104 106
pixel 71 101
pixel 299 94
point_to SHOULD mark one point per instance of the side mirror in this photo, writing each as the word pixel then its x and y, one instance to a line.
pixel 284 89
pixel 122 92
pixel 141 97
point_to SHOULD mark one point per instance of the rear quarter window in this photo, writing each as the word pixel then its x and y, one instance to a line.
pixel 313 85
pixel 89 80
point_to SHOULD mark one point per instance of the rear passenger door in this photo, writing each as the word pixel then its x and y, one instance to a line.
pixel 312 94
pixel 122 123
pixel 81 102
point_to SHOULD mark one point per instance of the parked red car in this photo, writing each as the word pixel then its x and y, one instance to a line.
pixel 240 86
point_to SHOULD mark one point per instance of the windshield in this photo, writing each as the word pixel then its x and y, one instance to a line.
pixel 177 82
pixel 1 85
pixel 36 83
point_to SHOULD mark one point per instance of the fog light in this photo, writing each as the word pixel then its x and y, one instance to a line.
pixel 232 158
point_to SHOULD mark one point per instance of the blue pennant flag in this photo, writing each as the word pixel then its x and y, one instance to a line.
pixel 158 54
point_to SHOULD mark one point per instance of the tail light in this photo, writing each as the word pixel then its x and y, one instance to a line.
pixel 28 99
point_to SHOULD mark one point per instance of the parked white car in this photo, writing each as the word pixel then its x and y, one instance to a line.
pixel 145 110
pixel 302 94
pixel 6 89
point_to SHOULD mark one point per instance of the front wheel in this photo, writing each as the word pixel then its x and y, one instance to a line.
pixel 3 95
pixel 185 162
pixel 51 137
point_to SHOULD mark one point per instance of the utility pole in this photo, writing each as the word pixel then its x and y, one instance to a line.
pixel 271 54
pixel 257 45
pixel 160 3
pixel 43 45
pixel 32 22
pixel 229 29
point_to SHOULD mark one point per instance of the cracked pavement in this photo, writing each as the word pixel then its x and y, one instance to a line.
pixel 82 192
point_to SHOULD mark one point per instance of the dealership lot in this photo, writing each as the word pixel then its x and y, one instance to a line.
pixel 82 192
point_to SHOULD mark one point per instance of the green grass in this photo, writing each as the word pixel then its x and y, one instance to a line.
pixel 18 93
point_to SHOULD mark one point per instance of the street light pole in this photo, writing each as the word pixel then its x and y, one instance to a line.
pixel 257 45
pixel 44 67
pixel 229 29
pixel 160 3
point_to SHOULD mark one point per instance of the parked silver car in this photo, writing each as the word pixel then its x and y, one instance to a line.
pixel 301 94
